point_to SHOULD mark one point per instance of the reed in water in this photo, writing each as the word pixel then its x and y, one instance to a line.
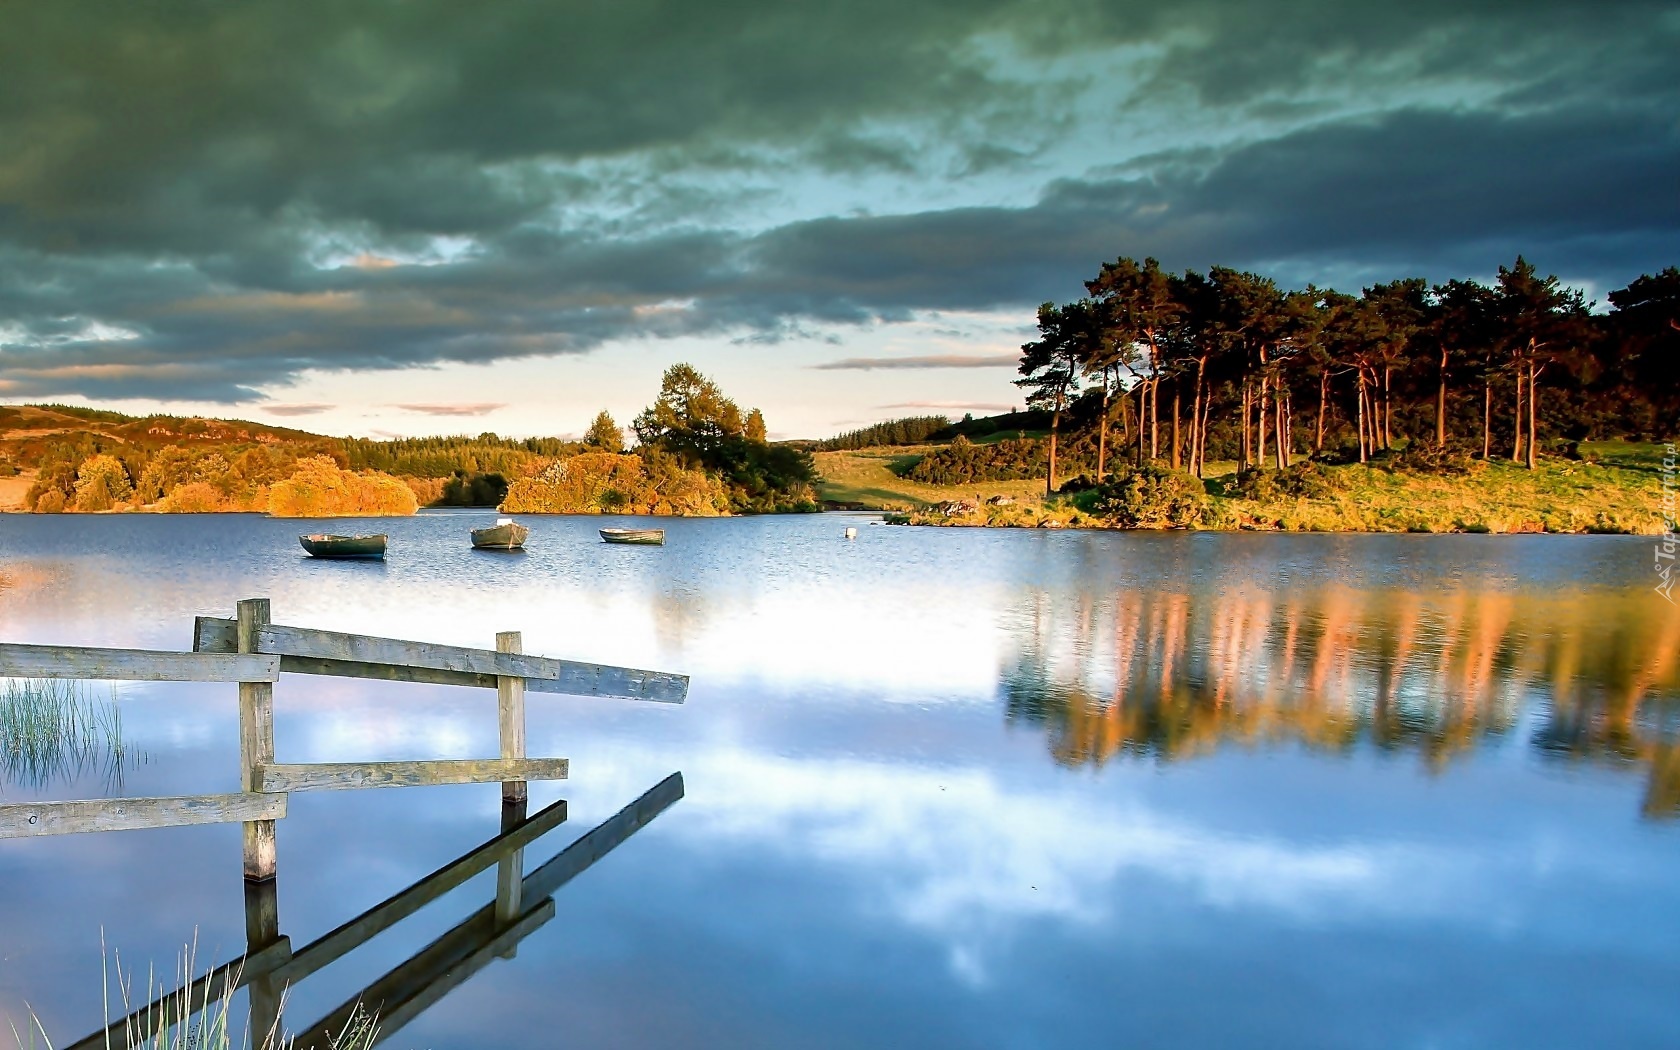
pixel 51 728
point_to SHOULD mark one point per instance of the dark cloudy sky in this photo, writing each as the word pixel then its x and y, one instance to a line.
pixel 427 216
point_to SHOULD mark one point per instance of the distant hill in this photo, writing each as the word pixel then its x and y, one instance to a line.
pixel 27 430
pixel 40 442
pixel 35 435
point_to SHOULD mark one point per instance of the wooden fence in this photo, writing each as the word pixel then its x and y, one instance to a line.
pixel 252 651
pixel 523 904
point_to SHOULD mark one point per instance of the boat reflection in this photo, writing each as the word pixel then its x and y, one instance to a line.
pixel 523 904
pixel 1590 677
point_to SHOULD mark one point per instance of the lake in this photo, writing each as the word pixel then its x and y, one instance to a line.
pixel 941 787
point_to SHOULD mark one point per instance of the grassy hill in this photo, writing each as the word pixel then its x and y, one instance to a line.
pixel 1615 487
pixel 866 478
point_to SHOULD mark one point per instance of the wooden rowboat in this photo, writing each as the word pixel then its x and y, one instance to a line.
pixel 324 545
pixel 649 537
pixel 505 535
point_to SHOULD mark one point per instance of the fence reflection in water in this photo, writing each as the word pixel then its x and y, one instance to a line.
pixel 523 904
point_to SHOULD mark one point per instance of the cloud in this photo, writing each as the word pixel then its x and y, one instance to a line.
pixel 193 218
pixel 925 361
pixel 958 406
pixel 300 409
pixel 462 408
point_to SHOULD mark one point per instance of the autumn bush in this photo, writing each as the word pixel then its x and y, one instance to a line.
pixel 319 488
pixel 194 497
pixel 617 483
pixel 102 484
pixel 427 491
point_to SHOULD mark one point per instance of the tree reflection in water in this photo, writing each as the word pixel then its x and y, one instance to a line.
pixel 1589 676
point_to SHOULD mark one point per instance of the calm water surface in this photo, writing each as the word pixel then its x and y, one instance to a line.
pixel 943 787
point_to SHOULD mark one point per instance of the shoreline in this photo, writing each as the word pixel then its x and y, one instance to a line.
pixel 1053 525
pixel 901 519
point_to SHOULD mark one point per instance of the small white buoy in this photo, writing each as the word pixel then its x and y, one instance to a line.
pixel 851 533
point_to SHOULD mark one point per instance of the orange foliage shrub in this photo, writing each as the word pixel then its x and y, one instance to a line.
pixel 102 484
pixel 194 497
pixel 318 488
pixel 427 491
pixel 613 483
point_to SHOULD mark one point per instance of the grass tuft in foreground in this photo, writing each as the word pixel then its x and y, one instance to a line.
pixel 171 1022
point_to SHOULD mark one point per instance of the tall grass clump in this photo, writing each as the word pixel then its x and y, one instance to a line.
pixel 51 728
pixel 184 1019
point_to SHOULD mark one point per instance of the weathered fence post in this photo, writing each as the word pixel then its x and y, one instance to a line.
pixel 262 929
pixel 510 714
pixel 510 873
pixel 256 741
pixel 510 722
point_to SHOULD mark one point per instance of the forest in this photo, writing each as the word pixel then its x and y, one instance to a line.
pixel 1190 368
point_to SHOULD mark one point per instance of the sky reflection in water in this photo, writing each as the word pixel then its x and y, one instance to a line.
pixel 944 787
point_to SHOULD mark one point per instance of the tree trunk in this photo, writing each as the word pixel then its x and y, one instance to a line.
pixel 1517 421
pixel 1361 401
pixel 1246 397
pixel 1155 412
pixel 1323 398
pixel 1196 422
pixel 1102 434
pixel 1176 397
pixel 1280 427
pixel 1388 409
pixel 1143 396
pixel 1487 417
pixel 1533 396
pixel 1441 404
pixel 1055 426
pixel 1201 432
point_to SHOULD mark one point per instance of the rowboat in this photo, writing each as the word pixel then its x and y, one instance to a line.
pixel 650 537
pixel 323 545
pixel 505 535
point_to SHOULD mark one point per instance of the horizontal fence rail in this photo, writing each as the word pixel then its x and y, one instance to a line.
pixel 307 651
pixel 328 776
pixel 29 819
pixel 18 660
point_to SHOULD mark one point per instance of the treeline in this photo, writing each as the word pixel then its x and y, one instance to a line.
pixel 286 481
pixel 1225 364
pixel 910 430
pixel 916 430
pixel 444 457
